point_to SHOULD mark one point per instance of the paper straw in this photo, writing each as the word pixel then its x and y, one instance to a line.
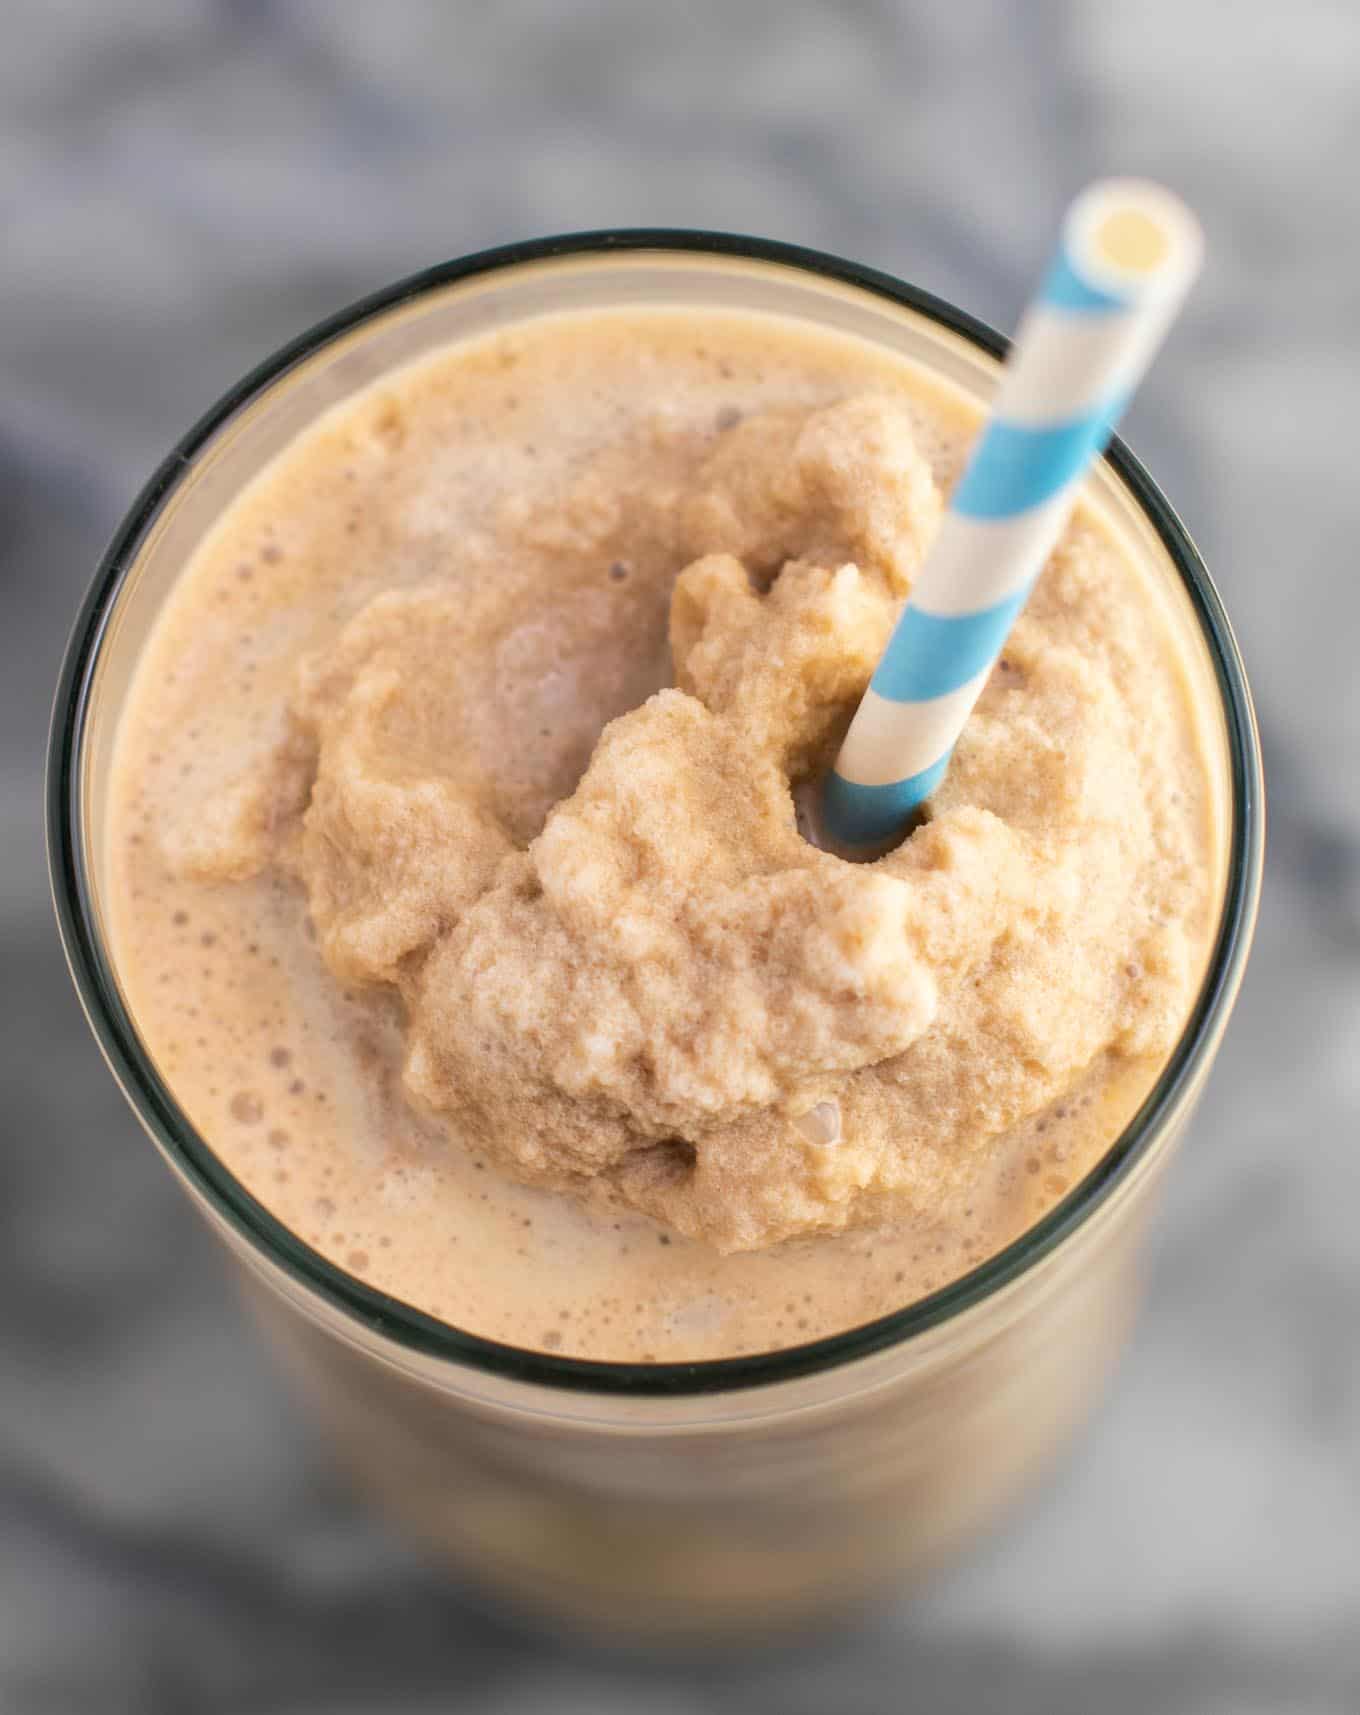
pixel 1128 255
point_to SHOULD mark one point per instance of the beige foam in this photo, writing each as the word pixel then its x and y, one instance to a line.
pixel 537 1080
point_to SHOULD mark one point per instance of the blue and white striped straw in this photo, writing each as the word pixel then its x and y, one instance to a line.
pixel 1129 253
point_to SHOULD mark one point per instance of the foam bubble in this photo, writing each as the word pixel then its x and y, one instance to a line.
pixel 821 1124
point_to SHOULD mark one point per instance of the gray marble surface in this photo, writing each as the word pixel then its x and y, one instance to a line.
pixel 184 185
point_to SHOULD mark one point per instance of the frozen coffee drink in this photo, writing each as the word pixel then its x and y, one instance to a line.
pixel 456 890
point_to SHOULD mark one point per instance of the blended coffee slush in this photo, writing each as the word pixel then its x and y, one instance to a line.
pixel 446 836
pixel 460 891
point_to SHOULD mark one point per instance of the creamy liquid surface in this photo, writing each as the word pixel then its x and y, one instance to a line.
pixel 294 1081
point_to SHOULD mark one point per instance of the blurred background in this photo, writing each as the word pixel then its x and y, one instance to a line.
pixel 185 185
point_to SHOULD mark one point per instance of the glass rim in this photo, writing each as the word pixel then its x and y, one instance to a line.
pixel 394 1319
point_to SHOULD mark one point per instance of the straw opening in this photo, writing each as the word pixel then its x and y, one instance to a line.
pixel 1131 236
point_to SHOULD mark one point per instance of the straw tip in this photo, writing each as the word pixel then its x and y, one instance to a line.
pixel 855 820
pixel 1133 236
